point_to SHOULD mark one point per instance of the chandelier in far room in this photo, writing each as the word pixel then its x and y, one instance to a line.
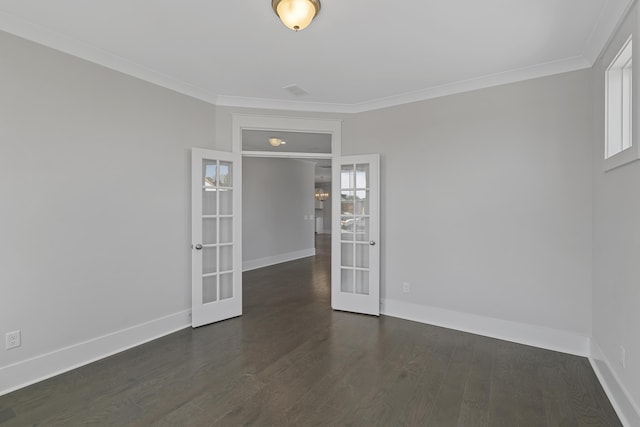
pixel 321 195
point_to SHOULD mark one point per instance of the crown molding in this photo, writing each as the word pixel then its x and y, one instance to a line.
pixel 41 35
pixel 512 76
pixel 280 104
pixel 611 16
pixel 542 70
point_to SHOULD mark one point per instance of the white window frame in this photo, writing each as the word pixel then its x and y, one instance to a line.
pixel 619 108
pixel 620 101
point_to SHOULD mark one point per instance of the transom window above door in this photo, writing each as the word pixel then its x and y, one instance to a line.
pixel 286 142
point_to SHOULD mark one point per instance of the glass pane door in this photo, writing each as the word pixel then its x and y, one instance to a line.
pixel 354 228
pixel 216 274
pixel 355 270
pixel 217 230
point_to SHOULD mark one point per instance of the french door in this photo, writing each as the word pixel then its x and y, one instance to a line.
pixel 355 254
pixel 216 279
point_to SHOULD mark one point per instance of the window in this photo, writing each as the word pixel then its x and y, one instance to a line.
pixel 619 100
pixel 619 145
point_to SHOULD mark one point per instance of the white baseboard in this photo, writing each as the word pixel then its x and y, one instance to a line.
pixel 628 411
pixel 35 369
pixel 522 333
pixel 276 259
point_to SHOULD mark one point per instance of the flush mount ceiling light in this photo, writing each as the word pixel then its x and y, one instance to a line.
pixel 276 142
pixel 296 14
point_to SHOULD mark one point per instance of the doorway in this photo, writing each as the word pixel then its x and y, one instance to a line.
pixel 355 228
pixel 280 211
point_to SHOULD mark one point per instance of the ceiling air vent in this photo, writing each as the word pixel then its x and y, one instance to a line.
pixel 295 90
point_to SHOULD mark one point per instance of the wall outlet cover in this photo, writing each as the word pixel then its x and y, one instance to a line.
pixel 13 340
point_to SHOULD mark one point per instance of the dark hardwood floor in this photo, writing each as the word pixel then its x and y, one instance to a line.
pixel 291 360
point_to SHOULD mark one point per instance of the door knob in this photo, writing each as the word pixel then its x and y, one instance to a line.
pixel 198 247
pixel 372 243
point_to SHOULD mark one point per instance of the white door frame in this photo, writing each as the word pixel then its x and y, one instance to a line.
pixel 333 127
pixel 242 122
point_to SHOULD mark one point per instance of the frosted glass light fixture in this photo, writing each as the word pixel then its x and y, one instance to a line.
pixel 296 14
pixel 276 142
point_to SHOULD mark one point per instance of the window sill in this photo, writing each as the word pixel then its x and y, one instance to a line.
pixel 622 158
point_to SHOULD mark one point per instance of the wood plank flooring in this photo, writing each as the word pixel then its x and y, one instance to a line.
pixel 292 361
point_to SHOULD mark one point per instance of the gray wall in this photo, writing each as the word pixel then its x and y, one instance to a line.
pixel 94 184
pixel 277 208
pixel 616 290
pixel 486 200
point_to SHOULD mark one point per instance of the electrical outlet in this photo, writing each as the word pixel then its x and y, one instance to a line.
pixel 12 339
pixel 406 287
pixel 622 357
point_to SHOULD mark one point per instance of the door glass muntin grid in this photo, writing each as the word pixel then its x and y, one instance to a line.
pixel 217 226
pixel 354 226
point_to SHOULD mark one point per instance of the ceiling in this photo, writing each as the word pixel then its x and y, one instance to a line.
pixel 323 171
pixel 357 55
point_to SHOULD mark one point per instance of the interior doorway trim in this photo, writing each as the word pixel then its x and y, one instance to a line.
pixel 242 122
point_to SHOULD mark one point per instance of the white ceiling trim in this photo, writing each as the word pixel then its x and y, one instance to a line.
pixel 277 104
pixel 38 34
pixel 541 70
pixel 609 20
pixel 556 67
